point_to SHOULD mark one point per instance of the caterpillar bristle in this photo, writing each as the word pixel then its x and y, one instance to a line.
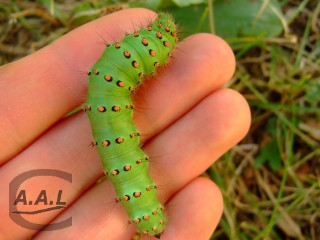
pixel 158 235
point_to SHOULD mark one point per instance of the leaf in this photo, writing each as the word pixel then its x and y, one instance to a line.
pixel 54 9
pixel 232 18
pixel 150 4
pixel 190 18
pixel 312 92
pixel 269 154
pixel 185 3
pixel 239 18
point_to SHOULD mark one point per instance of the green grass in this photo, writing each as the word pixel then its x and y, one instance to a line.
pixel 271 180
pixel 279 197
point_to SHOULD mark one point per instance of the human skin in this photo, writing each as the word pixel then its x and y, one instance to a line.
pixel 186 118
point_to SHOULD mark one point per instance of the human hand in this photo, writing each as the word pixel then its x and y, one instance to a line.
pixel 186 118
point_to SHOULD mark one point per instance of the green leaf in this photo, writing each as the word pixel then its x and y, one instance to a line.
pixel 192 19
pixel 312 92
pixel 272 126
pixel 150 4
pixel 54 9
pixel 239 18
pixel 232 18
pixel 269 154
pixel 185 3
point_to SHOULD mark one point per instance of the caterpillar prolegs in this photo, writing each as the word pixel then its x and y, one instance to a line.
pixel 112 80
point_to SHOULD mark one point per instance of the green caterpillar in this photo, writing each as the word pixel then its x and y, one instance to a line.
pixel 112 80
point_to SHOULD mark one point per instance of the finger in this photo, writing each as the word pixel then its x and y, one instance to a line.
pixel 188 147
pixel 190 76
pixel 65 147
pixel 202 64
pixel 213 134
pixel 38 90
pixel 94 217
pixel 194 212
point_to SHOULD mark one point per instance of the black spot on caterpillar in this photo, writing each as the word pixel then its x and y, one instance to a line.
pixel 109 106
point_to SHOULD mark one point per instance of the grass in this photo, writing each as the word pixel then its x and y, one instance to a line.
pixel 278 197
pixel 271 180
